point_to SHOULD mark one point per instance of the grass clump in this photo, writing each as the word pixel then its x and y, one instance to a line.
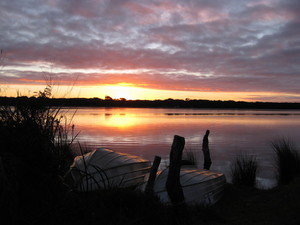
pixel 112 206
pixel 287 161
pixel 189 157
pixel 35 153
pixel 244 169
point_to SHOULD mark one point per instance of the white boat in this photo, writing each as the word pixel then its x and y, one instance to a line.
pixel 202 187
pixel 104 168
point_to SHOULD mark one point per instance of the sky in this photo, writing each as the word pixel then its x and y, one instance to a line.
pixel 246 50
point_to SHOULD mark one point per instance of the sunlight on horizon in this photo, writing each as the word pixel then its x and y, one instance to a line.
pixel 131 92
pixel 122 90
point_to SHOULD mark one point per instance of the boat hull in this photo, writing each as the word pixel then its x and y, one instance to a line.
pixel 202 187
pixel 104 168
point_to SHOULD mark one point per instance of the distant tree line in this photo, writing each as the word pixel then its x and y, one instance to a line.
pixel 166 103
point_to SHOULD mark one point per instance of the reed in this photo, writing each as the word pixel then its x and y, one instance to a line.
pixel 35 153
pixel 244 169
pixel 84 176
pixel 287 161
pixel 189 157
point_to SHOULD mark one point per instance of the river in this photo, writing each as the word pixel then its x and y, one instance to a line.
pixel 148 132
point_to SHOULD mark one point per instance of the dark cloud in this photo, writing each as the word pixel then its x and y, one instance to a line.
pixel 250 46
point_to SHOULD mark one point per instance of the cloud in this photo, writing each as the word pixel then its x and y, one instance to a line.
pixel 188 45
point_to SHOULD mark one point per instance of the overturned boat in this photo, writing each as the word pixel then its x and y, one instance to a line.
pixel 202 187
pixel 104 168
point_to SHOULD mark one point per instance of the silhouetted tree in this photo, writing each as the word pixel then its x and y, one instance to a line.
pixel 108 98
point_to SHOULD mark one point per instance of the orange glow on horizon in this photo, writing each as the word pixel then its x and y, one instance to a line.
pixel 130 91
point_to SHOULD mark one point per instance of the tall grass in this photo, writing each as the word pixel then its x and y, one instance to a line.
pixel 35 153
pixel 89 178
pixel 244 169
pixel 287 160
pixel 189 157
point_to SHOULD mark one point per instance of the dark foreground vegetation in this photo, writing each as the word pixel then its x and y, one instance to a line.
pixel 36 151
pixel 239 205
pixel 167 103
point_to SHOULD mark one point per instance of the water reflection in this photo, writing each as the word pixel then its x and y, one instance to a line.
pixel 149 132
pixel 120 121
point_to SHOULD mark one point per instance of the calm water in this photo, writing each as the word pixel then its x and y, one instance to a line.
pixel 150 132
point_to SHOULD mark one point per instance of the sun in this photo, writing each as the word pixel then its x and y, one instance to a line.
pixel 119 91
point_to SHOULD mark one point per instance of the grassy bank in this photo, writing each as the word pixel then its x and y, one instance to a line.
pixel 239 205
pixel 35 153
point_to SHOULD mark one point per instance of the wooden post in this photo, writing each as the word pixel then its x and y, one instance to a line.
pixel 173 185
pixel 152 176
pixel 205 149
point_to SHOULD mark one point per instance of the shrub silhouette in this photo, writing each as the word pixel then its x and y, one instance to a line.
pixel 287 161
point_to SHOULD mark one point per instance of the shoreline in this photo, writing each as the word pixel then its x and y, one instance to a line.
pixel 167 103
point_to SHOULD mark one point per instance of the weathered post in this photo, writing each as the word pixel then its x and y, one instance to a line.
pixel 173 184
pixel 205 149
pixel 152 176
